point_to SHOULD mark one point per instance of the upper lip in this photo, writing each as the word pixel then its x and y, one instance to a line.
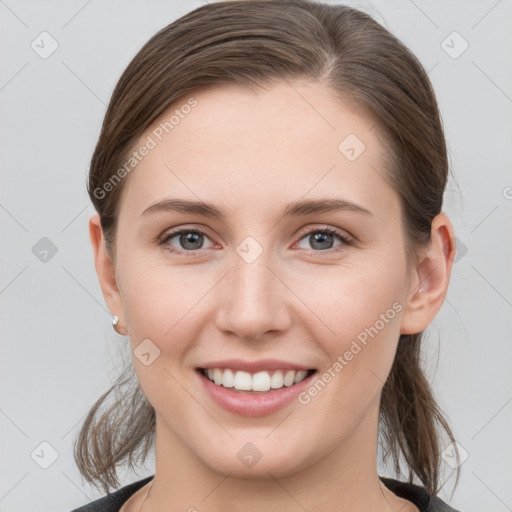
pixel 255 366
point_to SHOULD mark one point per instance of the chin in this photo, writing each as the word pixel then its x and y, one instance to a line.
pixel 244 463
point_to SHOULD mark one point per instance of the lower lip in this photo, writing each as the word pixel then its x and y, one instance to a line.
pixel 253 406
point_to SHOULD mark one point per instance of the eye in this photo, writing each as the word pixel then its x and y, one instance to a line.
pixel 190 240
pixel 321 239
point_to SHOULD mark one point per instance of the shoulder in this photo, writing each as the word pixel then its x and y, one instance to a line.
pixel 112 502
pixel 438 505
pixel 417 495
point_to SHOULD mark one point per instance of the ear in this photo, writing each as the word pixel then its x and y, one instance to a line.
pixel 106 272
pixel 430 278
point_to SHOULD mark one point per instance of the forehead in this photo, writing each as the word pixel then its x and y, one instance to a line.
pixel 275 145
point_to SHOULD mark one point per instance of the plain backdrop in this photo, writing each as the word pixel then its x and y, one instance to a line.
pixel 59 352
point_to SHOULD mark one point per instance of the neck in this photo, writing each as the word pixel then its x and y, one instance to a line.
pixel 344 479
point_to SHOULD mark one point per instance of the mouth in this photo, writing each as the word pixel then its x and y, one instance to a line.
pixel 257 383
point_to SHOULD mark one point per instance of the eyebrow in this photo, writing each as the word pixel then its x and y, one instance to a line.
pixel 296 209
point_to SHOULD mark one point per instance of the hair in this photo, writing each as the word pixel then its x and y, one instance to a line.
pixel 254 44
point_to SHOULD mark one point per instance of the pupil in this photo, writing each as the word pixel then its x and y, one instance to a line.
pixel 192 238
pixel 321 238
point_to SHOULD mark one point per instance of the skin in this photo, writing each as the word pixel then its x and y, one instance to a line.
pixel 251 154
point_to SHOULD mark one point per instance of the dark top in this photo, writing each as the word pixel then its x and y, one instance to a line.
pixel 418 495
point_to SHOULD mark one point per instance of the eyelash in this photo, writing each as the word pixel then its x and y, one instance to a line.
pixel 346 241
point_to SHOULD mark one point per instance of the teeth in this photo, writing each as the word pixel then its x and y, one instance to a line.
pixel 300 375
pixel 261 381
pixel 288 378
pixel 243 381
pixel 228 379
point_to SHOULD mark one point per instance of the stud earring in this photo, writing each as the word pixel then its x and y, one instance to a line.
pixel 115 324
pixel 421 290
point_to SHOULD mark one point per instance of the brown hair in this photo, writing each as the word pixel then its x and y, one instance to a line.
pixel 253 44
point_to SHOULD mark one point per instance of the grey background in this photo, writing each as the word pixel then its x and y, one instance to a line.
pixel 58 350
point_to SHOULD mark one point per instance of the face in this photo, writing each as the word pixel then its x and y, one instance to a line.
pixel 303 287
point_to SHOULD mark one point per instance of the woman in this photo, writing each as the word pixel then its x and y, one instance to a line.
pixel 270 238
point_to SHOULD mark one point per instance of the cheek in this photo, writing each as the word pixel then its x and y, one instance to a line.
pixel 333 305
pixel 337 303
pixel 347 300
pixel 169 305
pixel 356 322
pixel 162 305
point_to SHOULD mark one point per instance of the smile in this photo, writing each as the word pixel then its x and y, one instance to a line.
pixel 257 393
pixel 260 382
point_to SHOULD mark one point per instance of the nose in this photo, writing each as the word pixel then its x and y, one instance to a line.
pixel 254 302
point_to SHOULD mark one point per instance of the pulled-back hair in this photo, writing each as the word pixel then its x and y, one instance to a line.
pixel 255 44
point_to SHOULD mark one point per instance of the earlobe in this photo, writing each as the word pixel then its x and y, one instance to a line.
pixel 105 269
pixel 430 278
